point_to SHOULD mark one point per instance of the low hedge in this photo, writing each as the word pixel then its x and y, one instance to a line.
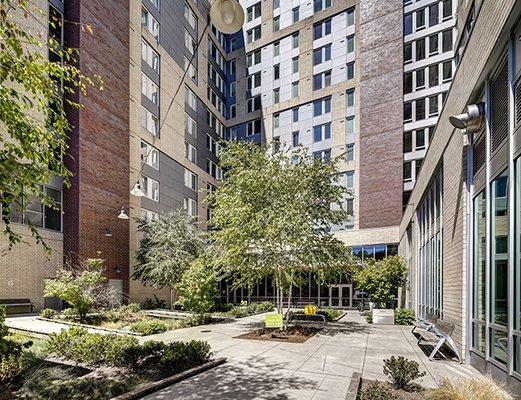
pixel 81 346
pixel 250 309
pixel 148 327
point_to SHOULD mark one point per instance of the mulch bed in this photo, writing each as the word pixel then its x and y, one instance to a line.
pixel 293 334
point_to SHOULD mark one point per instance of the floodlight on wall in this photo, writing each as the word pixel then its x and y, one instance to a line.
pixel 471 120
pixel 123 214
pixel 227 15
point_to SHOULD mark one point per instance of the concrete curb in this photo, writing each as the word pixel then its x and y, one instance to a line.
pixel 98 328
pixel 352 391
pixel 155 386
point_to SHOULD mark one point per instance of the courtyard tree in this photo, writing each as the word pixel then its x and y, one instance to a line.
pixel 35 91
pixel 382 279
pixel 168 247
pixel 272 216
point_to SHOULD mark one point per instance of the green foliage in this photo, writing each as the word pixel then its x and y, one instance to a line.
pixel 369 317
pixel 48 313
pixel 266 214
pixel 381 279
pixel 404 316
pixel 196 320
pixel 178 356
pixel 133 307
pixel 10 351
pixel 150 304
pixel 169 245
pixel 476 388
pixel 330 313
pixel 80 288
pixel 34 123
pixel 148 327
pixel 79 345
pixel 69 313
pixel 402 371
pixel 249 309
pixel 198 287
pixel 377 391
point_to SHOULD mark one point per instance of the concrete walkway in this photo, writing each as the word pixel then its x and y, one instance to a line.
pixel 318 369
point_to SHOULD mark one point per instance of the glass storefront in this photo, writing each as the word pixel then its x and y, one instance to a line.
pixel 479 251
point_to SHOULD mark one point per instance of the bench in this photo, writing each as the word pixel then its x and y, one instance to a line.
pixel 15 303
pixel 425 323
pixel 440 333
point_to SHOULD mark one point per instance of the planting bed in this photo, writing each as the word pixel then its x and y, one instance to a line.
pixel 293 334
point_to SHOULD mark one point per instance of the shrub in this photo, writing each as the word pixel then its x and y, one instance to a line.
pixel 10 351
pixel 69 314
pixel 156 302
pixel 47 313
pixel 245 310
pixel 132 307
pixel 198 287
pixel 480 388
pixel 10 367
pixel 404 316
pixel 148 327
pixel 81 288
pixel 369 317
pixel 197 320
pixel 377 391
pixel 402 371
pixel 178 356
pixel 330 314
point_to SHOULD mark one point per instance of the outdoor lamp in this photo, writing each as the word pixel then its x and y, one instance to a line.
pixel 136 190
pixel 227 15
pixel 123 214
pixel 470 120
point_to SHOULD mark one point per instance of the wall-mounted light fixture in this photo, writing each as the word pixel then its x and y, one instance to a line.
pixel 470 121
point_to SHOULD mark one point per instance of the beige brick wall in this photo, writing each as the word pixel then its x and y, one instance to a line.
pixel 23 270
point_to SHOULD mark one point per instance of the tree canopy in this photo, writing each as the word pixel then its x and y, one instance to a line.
pixel 33 120
pixel 272 216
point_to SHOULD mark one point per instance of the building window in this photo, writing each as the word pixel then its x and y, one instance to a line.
pixel 407 24
pixel 407 83
pixel 149 155
pixel 190 98
pixel 295 40
pixel 253 58
pixel 213 145
pixel 253 127
pixel 213 169
pixel 420 19
pixel 148 215
pixel 407 171
pixel 433 44
pixel 190 126
pixel 190 179
pixel 479 272
pixel 322 29
pixel 420 139
pixel 433 14
pixel 322 80
pixel 350 128
pixel 407 112
pixel 150 187
pixel 149 56
pixel 350 179
pixel 276 96
pixel 296 14
pixel 322 106
pixel 233 110
pixel 447 9
pixel 350 68
pixel 420 49
pixel 350 40
pixel 350 207
pixel 232 66
pixel 190 206
pixel 149 121
pixel 191 70
pixel 253 34
pixel 253 12
pixel 190 152
pixel 149 89
pixel 149 22
pixel 276 24
pixel 350 152
pixel 434 78
pixel 446 41
pixel 350 98
pixel 295 112
pixel 190 17
pixel 190 42
pixel 321 132
pixel 322 155
pixel 254 80
pixel 350 17
pixel 253 104
pixel 433 106
pixel 295 65
pixel 319 5
pixel 233 89
pixel 295 138
pixel 420 109
pixel 447 71
pixel 276 49
pixel 276 120
pixel 407 53
pixel 40 215
pixel 322 54
pixel 276 71
pixel 407 142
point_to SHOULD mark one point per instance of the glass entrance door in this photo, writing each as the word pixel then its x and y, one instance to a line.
pixel 341 296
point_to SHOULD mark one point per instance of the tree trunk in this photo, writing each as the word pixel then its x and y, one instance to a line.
pixel 172 299
pixel 289 306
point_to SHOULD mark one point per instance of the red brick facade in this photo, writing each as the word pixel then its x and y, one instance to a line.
pixel 99 145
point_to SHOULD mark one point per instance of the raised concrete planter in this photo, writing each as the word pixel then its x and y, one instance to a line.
pixel 383 317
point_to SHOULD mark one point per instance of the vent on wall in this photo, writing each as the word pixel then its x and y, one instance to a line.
pixel 499 107
pixel 517 101
pixel 480 154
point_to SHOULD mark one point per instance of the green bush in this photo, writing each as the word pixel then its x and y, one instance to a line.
pixel 330 314
pixel 156 302
pixel 10 351
pixel 79 345
pixel 148 327
pixel 402 371
pixel 47 313
pixel 69 314
pixel 251 309
pixel 133 307
pixel 178 356
pixel 196 320
pixel 369 317
pixel 377 391
pixel 404 316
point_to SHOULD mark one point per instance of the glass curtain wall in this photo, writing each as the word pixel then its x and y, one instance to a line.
pixel 430 271
pixel 479 254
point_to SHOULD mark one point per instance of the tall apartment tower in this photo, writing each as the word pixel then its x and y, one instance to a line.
pixel 429 36
pixel 324 74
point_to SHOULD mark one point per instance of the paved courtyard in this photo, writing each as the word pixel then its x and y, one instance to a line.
pixel 318 369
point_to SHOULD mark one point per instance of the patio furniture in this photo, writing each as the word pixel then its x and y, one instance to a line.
pixel 13 304
pixel 425 323
pixel 440 333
